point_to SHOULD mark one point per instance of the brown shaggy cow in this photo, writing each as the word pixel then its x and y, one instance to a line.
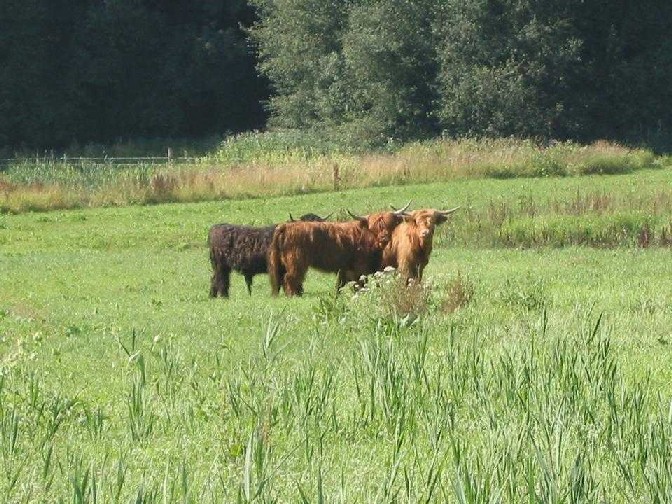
pixel 351 249
pixel 411 243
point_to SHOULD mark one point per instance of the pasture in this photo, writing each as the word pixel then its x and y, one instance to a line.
pixel 532 366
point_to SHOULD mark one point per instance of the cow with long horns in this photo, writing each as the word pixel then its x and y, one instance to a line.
pixel 350 249
pixel 241 248
pixel 411 245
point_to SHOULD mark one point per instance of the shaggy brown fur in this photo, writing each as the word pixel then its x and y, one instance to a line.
pixel 240 248
pixel 351 249
pixel 386 223
pixel 411 243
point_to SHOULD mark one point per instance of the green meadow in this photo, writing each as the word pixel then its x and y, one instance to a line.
pixel 532 365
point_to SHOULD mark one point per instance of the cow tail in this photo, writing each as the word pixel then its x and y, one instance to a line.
pixel 275 267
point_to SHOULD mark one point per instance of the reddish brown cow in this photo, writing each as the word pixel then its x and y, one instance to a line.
pixel 351 249
pixel 411 243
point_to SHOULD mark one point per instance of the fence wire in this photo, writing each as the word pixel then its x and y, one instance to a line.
pixel 93 161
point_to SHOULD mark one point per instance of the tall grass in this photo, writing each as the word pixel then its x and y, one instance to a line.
pixel 283 163
pixel 407 413
pixel 592 218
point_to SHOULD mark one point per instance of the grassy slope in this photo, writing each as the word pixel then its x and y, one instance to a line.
pixel 80 287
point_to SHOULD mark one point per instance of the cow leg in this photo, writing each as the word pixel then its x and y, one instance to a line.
pixel 293 275
pixel 359 283
pixel 406 272
pixel 417 271
pixel 214 278
pixel 219 284
pixel 341 280
pixel 345 276
pixel 213 286
pixel 293 282
pixel 248 281
pixel 222 280
pixel 293 286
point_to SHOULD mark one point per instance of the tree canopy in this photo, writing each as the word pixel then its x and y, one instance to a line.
pixel 361 72
pixel 95 71
pixel 580 69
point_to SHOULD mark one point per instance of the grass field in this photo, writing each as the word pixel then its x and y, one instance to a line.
pixel 525 370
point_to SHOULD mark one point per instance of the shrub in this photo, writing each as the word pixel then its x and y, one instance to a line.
pixel 610 159
pixel 394 299
pixel 459 293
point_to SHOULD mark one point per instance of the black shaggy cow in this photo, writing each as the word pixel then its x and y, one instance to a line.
pixel 240 248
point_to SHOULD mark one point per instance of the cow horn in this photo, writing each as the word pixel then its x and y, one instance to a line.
pixel 356 217
pixel 327 216
pixel 291 219
pixel 401 211
pixel 448 212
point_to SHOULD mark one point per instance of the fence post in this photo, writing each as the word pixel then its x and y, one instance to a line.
pixel 170 155
pixel 337 177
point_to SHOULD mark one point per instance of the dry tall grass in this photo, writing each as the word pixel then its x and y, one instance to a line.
pixel 294 171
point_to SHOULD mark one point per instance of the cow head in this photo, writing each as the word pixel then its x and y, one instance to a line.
pixel 310 217
pixel 362 220
pixel 426 220
pixel 382 224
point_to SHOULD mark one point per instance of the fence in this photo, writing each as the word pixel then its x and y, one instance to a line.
pixel 102 160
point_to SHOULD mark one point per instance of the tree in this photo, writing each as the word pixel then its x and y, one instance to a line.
pixel 627 55
pixel 299 48
pixel 88 70
pixel 363 71
pixel 507 67
pixel 390 61
pixel 35 97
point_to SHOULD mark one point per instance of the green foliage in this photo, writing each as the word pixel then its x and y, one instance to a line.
pixel 388 51
pixel 298 42
pixel 272 147
pixel 358 72
pixel 367 72
pixel 603 162
pixel 506 67
pixel 527 293
pixel 37 40
pixel 393 301
pixel 459 293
